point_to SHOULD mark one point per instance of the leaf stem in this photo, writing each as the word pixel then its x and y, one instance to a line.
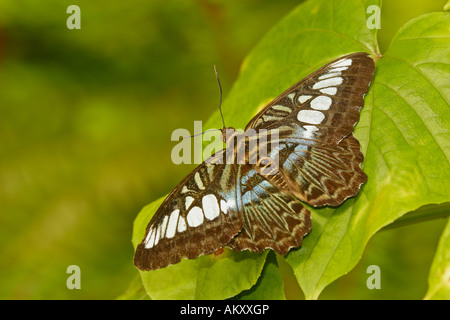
pixel 424 213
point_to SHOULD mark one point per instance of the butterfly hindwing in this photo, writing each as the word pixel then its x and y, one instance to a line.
pixel 272 218
pixel 198 217
pixel 325 174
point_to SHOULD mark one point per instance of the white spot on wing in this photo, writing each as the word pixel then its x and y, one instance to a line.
pixel 304 98
pixel 227 205
pixel 321 103
pixel 231 203
pixel 149 241
pixel 181 224
pixel 267 118
pixel 188 201
pixel 163 226
pixel 223 206
pixel 342 63
pixel 195 217
pixel 198 181
pixel 328 83
pixel 172 225
pixel 281 108
pixel 157 236
pixel 310 116
pixel 329 75
pixel 210 207
pixel 338 69
pixel 309 131
pixel 330 90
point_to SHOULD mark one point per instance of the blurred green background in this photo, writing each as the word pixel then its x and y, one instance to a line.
pixel 85 123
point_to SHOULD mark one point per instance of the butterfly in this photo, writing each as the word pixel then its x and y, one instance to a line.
pixel 239 205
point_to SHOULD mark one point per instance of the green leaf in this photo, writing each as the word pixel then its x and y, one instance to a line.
pixel 270 284
pixel 313 34
pixel 427 212
pixel 135 291
pixel 404 134
pixel 439 278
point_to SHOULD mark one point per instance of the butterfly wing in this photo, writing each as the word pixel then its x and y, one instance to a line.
pixel 198 217
pixel 324 175
pixel 319 158
pixel 272 219
pixel 330 98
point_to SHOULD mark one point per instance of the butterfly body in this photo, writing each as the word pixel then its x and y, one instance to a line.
pixel 300 146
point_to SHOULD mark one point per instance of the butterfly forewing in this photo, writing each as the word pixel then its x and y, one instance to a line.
pixel 326 103
pixel 198 217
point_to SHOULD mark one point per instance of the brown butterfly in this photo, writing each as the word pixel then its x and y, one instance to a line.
pixel 241 205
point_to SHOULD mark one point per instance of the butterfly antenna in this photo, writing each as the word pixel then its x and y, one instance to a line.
pixel 220 108
pixel 200 133
pixel 220 98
